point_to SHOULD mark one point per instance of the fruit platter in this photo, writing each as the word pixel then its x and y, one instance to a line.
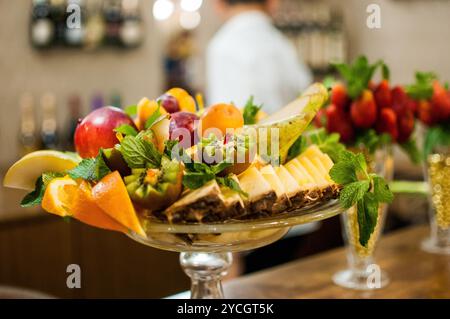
pixel 172 174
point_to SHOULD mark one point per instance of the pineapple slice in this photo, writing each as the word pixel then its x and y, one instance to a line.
pixel 271 177
pixel 313 171
pixel 204 204
pixel 261 195
pixel 292 188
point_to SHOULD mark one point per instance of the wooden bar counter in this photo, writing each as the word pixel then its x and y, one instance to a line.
pixel 413 273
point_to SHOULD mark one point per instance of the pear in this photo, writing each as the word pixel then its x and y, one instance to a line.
pixel 290 122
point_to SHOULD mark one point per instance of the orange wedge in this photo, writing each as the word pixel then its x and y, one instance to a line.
pixel 111 196
pixel 59 195
pixel 86 210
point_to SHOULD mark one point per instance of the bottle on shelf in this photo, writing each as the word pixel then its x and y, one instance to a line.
pixel 42 28
pixel 116 99
pixel 112 14
pixel 74 34
pixel 131 31
pixel 27 135
pixel 97 101
pixel 95 25
pixel 74 108
pixel 49 134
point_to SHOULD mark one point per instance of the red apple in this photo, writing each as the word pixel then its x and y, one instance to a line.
pixel 96 130
pixel 182 127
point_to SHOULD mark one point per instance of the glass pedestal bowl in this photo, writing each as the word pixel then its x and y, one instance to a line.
pixel 206 248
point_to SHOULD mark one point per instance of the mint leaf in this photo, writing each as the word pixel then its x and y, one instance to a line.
pixel 126 129
pixel 231 184
pixel 216 169
pixel 297 148
pixel 381 190
pixel 194 180
pixel 411 149
pixel 436 136
pixel 343 173
pixel 155 117
pixel 354 192
pixel 34 198
pixel 250 111
pixel 367 217
pixel 131 110
pixel 138 152
pixel 91 169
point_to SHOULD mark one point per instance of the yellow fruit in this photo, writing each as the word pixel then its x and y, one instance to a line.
pixel 145 109
pixel 24 173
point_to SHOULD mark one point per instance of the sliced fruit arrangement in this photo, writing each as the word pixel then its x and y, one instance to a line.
pixel 368 114
pixel 266 190
pixel 170 159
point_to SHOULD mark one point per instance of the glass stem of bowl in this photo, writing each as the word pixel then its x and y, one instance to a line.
pixel 206 271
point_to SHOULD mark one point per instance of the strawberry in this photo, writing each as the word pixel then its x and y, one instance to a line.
pixel 339 97
pixel 405 126
pixel 339 122
pixel 363 111
pixel 382 94
pixel 387 123
pixel 321 118
pixel 440 102
pixel 424 112
pixel 399 100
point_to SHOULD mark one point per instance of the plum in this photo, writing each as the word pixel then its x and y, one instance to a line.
pixel 96 130
pixel 169 103
pixel 182 127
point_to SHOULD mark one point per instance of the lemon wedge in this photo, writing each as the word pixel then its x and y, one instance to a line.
pixel 24 172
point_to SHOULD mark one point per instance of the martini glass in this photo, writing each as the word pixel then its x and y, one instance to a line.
pixel 437 173
pixel 362 272
pixel 206 248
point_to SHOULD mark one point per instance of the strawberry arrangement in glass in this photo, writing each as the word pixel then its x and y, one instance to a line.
pixel 433 110
pixel 366 114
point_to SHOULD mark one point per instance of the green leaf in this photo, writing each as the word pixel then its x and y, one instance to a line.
pixel 34 198
pixel 436 136
pixel 411 149
pixel 353 192
pixel 381 190
pixel 297 148
pixel 386 73
pixel 232 184
pixel 138 152
pixel 343 173
pixel 250 111
pixel 367 217
pixel 91 169
pixel 329 81
pixel 217 168
pixel 131 110
pixel 194 180
pixel 155 117
pixel 422 89
pixel 126 129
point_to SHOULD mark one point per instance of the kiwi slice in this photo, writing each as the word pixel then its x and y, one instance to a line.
pixel 155 188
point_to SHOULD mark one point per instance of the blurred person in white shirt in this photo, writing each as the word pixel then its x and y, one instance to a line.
pixel 249 56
